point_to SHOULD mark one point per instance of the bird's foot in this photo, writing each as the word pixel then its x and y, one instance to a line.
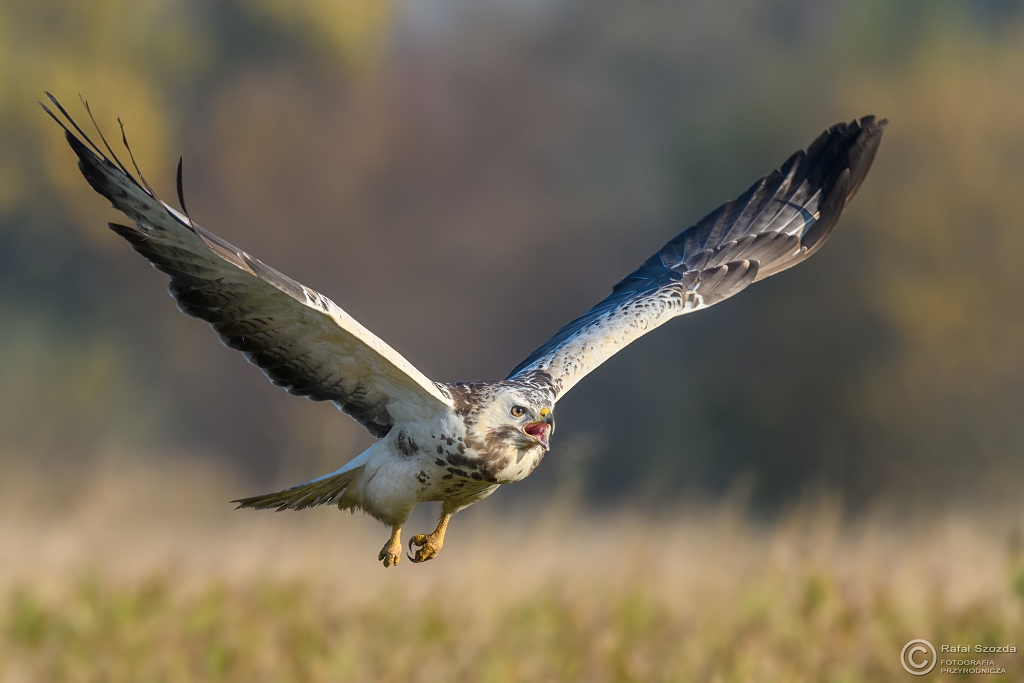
pixel 391 553
pixel 429 546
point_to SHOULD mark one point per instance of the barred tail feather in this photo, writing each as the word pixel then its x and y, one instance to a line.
pixel 330 488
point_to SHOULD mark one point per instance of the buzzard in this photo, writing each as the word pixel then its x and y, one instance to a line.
pixel 457 443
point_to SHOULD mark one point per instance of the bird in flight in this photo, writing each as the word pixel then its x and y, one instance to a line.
pixel 457 443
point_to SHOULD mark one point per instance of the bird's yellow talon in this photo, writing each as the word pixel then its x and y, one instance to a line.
pixel 429 546
pixel 391 553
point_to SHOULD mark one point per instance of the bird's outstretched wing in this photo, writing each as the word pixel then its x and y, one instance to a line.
pixel 299 338
pixel 780 221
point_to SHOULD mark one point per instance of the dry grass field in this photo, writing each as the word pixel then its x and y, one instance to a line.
pixel 148 575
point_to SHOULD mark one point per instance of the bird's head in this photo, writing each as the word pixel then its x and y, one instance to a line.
pixel 525 418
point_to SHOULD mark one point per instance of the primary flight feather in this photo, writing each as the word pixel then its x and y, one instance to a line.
pixel 456 443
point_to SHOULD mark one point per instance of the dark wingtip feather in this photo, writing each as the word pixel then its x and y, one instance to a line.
pixel 53 116
pixel 845 153
pixel 67 116
pixel 830 211
pixel 181 195
pixel 91 167
pixel 131 156
pixel 130 233
pixel 862 153
pixel 88 110
pixel 93 163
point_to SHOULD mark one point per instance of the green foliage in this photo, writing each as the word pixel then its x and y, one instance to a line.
pixel 293 632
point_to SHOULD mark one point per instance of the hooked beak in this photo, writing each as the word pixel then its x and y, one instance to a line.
pixel 541 430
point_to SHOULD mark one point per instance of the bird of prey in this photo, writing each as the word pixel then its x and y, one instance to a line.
pixel 457 443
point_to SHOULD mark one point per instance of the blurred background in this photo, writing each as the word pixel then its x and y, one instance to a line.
pixel 505 162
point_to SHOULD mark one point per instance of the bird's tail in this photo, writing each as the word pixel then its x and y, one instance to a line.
pixel 330 488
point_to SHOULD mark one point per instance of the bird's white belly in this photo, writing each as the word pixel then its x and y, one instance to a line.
pixel 407 468
pixel 388 489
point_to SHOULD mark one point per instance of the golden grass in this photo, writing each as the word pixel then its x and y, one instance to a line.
pixel 147 575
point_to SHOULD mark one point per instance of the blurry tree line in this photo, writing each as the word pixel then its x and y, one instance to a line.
pixel 465 177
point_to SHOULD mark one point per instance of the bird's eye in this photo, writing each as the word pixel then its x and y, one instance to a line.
pixel 518 411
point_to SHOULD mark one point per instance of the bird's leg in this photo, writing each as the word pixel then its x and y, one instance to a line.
pixel 391 553
pixel 430 545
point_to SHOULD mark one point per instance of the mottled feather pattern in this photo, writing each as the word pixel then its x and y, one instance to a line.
pixel 781 220
pixel 299 338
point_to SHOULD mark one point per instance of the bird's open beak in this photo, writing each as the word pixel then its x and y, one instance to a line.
pixel 541 430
